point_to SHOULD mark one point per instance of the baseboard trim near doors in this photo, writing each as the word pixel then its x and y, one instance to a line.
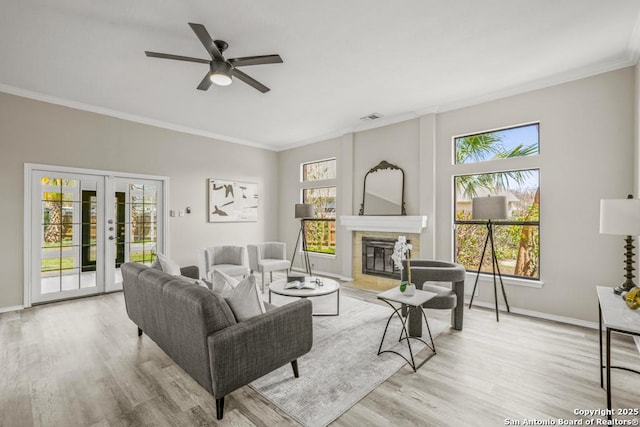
pixel 11 308
pixel 538 314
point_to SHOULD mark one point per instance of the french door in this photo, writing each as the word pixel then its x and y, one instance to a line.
pixel 84 226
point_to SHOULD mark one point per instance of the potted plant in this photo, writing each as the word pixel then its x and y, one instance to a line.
pixel 401 251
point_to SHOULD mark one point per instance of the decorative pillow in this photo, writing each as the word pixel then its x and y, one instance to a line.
pixel 168 265
pixel 245 300
pixel 223 284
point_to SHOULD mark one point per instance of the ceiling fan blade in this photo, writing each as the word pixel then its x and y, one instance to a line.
pixel 205 83
pixel 207 41
pixel 176 57
pixel 250 80
pixel 256 60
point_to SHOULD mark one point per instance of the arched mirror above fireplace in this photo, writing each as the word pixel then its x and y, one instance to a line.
pixel 383 190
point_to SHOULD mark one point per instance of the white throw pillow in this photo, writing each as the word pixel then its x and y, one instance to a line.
pixel 223 284
pixel 245 300
pixel 168 265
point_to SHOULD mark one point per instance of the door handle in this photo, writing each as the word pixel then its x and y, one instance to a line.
pixel 111 237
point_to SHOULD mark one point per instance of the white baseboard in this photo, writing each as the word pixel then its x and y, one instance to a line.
pixel 525 312
pixel 324 273
pixel 538 314
pixel 11 308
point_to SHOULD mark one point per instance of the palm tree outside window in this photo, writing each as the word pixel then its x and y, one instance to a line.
pixel 518 238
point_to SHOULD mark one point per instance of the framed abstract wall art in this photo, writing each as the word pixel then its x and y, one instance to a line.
pixel 232 201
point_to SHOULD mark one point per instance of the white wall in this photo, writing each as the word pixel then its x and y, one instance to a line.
pixel 587 153
pixel 37 132
pixel 399 145
pixel 289 189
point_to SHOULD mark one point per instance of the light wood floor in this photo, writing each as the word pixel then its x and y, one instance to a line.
pixel 81 363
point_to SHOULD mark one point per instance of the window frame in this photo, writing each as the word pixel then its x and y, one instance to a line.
pixel 454 160
pixel 316 184
pixel 492 166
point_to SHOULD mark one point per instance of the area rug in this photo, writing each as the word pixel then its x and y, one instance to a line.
pixel 343 366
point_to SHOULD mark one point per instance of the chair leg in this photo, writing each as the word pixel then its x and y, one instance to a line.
pixel 457 314
pixel 263 282
pixel 139 332
pixel 270 276
pixel 294 365
pixel 220 408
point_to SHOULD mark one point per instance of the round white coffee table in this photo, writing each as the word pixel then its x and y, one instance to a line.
pixel 323 286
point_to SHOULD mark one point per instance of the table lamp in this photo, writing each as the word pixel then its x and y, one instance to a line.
pixel 622 217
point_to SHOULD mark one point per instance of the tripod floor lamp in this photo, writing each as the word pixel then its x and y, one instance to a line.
pixel 490 208
pixel 303 211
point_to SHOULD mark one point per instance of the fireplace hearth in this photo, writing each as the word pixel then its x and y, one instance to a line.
pixel 376 257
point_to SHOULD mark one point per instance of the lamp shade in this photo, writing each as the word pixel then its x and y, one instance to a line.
pixel 304 210
pixel 620 216
pixel 491 207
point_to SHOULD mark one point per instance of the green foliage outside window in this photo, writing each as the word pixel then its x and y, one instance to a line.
pixel 320 233
pixel 517 239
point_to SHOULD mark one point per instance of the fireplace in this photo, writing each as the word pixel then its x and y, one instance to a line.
pixel 376 257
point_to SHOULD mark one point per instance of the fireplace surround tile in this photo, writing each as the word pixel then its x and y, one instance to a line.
pixel 377 283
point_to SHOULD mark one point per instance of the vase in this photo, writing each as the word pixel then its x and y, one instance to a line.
pixel 403 286
pixel 410 290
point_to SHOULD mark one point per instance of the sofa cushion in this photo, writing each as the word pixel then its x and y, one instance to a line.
pixel 194 281
pixel 245 300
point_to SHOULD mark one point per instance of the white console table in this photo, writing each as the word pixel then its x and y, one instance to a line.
pixel 615 316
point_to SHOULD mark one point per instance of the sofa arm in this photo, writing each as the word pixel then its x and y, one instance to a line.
pixel 191 271
pixel 248 350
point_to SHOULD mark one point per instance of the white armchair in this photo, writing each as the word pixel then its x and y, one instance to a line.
pixel 268 257
pixel 228 259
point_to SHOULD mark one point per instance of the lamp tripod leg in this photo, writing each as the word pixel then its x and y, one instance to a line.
pixel 493 268
pixel 307 267
pixel 295 250
pixel 504 294
pixel 484 249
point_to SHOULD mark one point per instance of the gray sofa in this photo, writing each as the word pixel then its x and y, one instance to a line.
pixel 198 330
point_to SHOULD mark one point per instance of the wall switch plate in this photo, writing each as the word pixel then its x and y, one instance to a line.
pixel 172 213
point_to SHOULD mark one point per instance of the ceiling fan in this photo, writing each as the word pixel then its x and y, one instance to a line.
pixel 220 69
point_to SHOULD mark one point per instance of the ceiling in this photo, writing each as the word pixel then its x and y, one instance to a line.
pixel 342 59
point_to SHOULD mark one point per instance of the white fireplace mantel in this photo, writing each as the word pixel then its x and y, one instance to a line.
pixel 390 223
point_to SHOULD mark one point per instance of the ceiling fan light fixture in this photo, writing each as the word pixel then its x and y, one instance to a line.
pixel 220 73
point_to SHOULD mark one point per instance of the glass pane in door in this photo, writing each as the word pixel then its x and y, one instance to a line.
pixel 142 225
pixel 62 246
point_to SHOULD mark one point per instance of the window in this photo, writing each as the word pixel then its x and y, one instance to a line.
pixel 517 239
pixel 317 189
pixel 500 144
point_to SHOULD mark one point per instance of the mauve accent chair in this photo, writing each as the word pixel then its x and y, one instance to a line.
pixel 268 257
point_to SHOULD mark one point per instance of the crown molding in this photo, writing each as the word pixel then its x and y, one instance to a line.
pixel 633 48
pixel 612 64
pixel 629 59
pixel 126 116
